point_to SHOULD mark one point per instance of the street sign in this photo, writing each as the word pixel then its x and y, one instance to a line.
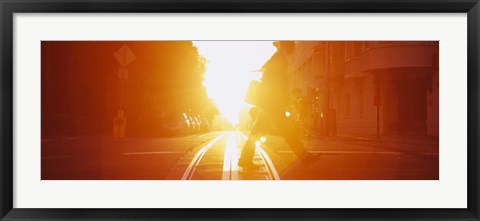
pixel 123 73
pixel 124 55
pixel 377 100
pixel 119 125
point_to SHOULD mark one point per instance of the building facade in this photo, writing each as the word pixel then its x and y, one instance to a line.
pixel 383 88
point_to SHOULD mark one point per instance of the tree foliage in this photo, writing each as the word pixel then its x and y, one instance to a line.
pixel 81 91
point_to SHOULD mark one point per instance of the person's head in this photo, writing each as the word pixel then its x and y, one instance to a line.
pixel 284 46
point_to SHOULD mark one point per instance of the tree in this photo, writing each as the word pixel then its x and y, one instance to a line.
pixel 81 90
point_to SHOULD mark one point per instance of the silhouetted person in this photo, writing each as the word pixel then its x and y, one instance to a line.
pixel 272 105
pixel 302 115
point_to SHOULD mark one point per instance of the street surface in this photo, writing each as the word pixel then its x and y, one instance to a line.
pixel 214 156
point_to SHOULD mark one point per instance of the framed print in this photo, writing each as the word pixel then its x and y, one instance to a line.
pixel 239 110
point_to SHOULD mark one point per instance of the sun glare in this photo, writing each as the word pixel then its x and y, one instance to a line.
pixel 231 66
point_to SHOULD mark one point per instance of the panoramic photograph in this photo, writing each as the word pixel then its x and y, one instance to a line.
pixel 240 110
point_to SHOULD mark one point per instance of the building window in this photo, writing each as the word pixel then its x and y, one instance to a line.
pixel 309 67
pixel 385 42
pixel 360 97
pixel 357 48
pixel 347 105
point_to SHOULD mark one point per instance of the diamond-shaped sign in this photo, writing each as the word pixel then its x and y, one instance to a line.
pixel 124 55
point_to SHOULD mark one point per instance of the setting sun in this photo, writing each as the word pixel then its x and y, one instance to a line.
pixel 231 65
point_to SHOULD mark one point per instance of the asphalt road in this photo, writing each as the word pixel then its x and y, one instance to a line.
pixel 214 156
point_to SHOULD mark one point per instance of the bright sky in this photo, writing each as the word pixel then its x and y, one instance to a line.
pixel 230 66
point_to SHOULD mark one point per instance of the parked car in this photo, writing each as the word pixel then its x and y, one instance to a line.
pixel 176 124
pixel 204 125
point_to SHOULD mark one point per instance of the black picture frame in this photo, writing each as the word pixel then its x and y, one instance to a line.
pixel 9 7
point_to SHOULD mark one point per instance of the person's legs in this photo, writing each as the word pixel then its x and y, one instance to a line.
pixel 286 129
pixel 248 149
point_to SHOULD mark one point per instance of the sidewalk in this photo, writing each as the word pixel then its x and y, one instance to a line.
pixel 421 140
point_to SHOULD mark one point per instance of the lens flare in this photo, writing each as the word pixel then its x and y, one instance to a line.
pixel 229 71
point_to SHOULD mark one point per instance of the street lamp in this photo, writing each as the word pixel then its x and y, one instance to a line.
pixel 326 69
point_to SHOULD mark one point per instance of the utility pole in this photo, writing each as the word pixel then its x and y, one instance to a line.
pixel 124 56
pixel 378 102
pixel 327 85
pixel 316 102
